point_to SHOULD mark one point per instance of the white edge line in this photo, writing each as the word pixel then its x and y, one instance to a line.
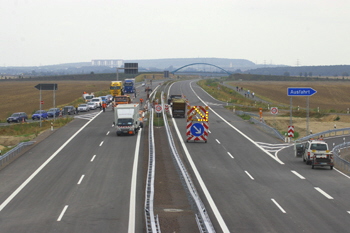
pixel 81 179
pixel 342 173
pixel 298 175
pixel 132 206
pixel 240 132
pixel 278 205
pixel 249 175
pixel 62 213
pixel 324 193
pixel 92 159
pixel 230 155
pixel 2 206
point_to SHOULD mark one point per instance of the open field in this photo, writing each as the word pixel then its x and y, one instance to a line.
pixel 331 95
pixel 23 97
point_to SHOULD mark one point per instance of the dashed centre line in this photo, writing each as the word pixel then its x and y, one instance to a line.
pixel 101 143
pixel 92 159
pixel 81 179
pixel 298 175
pixel 218 141
pixel 324 193
pixel 278 205
pixel 251 177
pixel 62 213
pixel 230 155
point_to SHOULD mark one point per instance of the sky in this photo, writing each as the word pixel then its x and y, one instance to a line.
pixel 288 32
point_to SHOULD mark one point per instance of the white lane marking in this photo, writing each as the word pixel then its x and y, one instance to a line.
pixel 101 143
pixel 298 175
pixel 348 212
pixel 107 133
pixel 92 159
pixel 240 132
pixel 62 213
pixel 132 206
pixel 273 200
pixel 81 179
pixel 342 173
pixel 324 193
pixel 43 165
pixel 211 202
pixel 209 131
pixel 230 155
pixel 218 141
pixel 249 175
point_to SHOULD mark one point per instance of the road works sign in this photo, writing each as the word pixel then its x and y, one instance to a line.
pixel 300 91
pixel 291 131
pixel 197 123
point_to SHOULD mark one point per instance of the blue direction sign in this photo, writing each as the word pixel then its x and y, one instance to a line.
pixel 300 91
pixel 197 129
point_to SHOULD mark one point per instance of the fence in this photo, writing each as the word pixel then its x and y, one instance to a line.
pixel 12 154
pixel 341 164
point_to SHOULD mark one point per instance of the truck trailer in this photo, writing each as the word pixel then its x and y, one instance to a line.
pixel 178 107
pixel 127 119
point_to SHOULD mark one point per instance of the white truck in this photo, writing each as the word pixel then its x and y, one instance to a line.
pixel 126 119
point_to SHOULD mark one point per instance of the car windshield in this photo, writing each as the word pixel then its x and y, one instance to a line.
pixel 15 115
pixel 39 111
pixel 318 147
pixel 122 122
pixel 82 105
pixel 90 103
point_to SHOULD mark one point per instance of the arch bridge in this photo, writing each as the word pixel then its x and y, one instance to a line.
pixel 227 72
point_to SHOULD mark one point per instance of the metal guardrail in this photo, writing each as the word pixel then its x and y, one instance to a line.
pixel 152 223
pixel 202 218
pixel 339 162
pixel 332 132
pixel 261 123
pixel 8 156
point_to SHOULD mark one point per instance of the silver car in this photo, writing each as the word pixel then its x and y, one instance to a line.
pixel 91 105
pixel 83 108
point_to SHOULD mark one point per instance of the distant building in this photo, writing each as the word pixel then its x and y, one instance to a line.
pixel 108 62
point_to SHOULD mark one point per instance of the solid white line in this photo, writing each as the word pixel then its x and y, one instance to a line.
pixel 62 213
pixel 93 157
pixel 273 200
pixel 81 179
pixel 107 133
pixel 240 132
pixel 342 173
pixel 211 202
pixel 298 175
pixel 132 206
pixel 101 143
pixel 249 175
pixel 324 193
pixel 230 155
pixel 43 165
pixel 218 141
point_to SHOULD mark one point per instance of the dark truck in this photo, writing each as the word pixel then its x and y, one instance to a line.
pixel 174 97
pixel 178 107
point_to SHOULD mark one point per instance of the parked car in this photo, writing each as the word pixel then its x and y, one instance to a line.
pixel 53 112
pixel 17 117
pixel 40 114
pixel 97 101
pixel 91 105
pixel 83 108
pixel 68 110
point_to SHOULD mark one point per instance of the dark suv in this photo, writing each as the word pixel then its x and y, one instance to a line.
pixel 17 117
pixel 68 110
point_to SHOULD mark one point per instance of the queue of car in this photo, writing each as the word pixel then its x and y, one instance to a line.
pixel 94 103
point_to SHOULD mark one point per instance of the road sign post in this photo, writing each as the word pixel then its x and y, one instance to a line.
pixel 301 91
pixel 46 87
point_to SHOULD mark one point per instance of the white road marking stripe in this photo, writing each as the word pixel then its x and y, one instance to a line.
pixel 101 143
pixel 249 175
pixel 107 133
pixel 298 175
pixel 218 141
pixel 324 193
pixel 209 131
pixel 273 200
pixel 342 173
pixel 81 179
pixel 2 206
pixel 230 155
pixel 348 212
pixel 93 157
pixel 62 213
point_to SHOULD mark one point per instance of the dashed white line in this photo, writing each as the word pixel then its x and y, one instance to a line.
pixel 101 143
pixel 298 175
pixel 93 157
pixel 249 175
pixel 218 141
pixel 209 131
pixel 273 200
pixel 81 179
pixel 348 212
pixel 230 155
pixel 62 213
pixel 324 193
pixel 107 133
